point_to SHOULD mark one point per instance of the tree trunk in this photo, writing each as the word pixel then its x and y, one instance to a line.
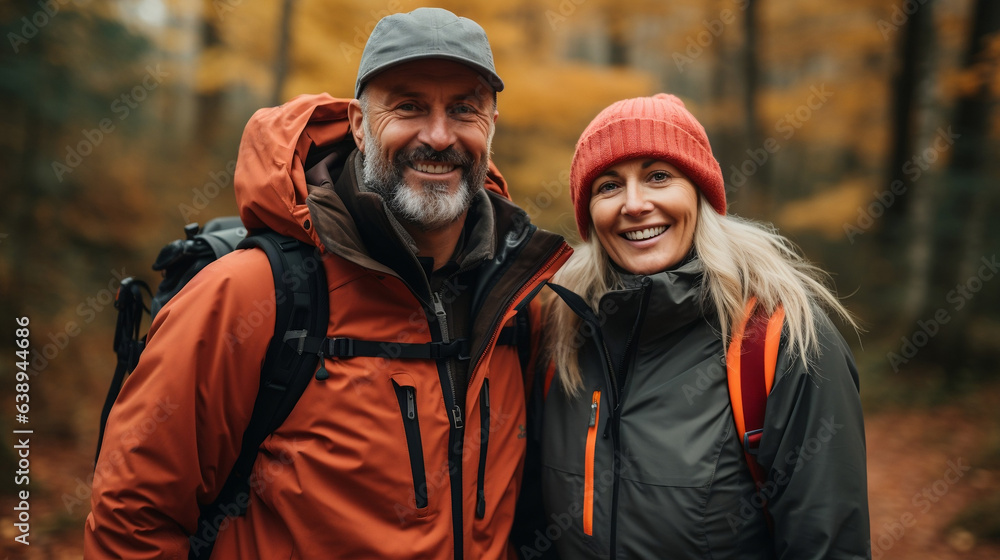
pixel 281 54
pixel 912 131
pixel 913 69
pixel 209 104
pixel 762 191
pixel 617 36
pixel 970 191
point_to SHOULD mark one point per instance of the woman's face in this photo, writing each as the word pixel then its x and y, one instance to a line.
pixel 644 212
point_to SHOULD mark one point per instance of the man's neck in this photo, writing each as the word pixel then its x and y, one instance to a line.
pixel 439 243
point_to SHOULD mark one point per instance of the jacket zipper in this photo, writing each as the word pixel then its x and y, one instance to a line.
pixel 456 436
pixel 588 477
pixel 616 412
pixel 408 407
pixel 442 321
pixel 484 441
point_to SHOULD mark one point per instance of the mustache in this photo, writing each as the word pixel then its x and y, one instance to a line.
pixel 423 153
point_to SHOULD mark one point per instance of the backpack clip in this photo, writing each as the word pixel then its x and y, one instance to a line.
pixel 293 335
pixel 751 441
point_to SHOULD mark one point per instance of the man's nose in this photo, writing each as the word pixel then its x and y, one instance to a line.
pixel 437 132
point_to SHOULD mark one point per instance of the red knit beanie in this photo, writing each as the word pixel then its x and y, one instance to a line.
pixel 658 127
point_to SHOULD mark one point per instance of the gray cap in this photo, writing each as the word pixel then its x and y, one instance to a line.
pixel 427 33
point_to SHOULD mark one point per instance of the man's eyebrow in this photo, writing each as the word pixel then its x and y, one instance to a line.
pixel 468 96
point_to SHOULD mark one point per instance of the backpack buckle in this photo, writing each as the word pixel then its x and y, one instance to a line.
pixel 751 441
pixel 340 347
pixel 458 348
pixel 300 335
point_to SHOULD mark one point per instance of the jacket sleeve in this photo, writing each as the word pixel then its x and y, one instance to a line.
pixel 175 431
pixel 530 519
pixel 813 448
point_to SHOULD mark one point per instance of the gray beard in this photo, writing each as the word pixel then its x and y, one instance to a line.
pixel 429 205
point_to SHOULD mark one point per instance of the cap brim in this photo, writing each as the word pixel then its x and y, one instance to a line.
pixel 488 74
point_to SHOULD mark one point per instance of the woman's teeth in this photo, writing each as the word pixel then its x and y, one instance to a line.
pixel 645 233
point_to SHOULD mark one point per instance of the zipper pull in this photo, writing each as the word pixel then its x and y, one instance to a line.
pixel 593 414
pixel 411 404
pixel 442 317
pixel 321 373
pixel 456 417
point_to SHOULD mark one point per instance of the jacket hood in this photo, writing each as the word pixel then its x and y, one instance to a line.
pixel 270 182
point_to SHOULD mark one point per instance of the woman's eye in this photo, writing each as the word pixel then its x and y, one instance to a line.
pixel 606 187
pixel 659 176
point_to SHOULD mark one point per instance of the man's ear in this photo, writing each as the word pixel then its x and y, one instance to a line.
pixel 355 117
pixel 496 114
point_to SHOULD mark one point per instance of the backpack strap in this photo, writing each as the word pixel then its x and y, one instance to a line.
pixel 302 306
pixel 750 365
pixel 519 335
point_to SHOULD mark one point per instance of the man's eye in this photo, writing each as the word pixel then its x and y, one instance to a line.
pixel 406 107
pixel 463 109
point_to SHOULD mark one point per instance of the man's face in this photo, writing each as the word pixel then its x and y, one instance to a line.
pixel 426 133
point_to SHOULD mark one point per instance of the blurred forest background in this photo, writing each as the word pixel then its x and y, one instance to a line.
pixel 866 130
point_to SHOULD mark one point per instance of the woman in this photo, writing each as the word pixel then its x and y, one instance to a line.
pixel 640 452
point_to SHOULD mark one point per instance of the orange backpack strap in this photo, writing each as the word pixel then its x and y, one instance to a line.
pixel 750 363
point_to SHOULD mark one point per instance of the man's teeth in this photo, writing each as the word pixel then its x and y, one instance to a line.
pixel 645 233
pixel 424 168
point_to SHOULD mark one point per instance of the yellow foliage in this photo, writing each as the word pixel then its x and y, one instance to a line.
pixel 827 212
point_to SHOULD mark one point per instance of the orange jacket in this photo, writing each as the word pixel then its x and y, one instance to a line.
pixel 339 479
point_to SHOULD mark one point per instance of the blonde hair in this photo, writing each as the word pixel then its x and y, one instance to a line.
pixel 741 259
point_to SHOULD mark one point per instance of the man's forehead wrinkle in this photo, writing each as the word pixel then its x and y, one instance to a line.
pixel 406 90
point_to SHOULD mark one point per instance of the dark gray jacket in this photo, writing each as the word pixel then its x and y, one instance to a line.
pixel 668 475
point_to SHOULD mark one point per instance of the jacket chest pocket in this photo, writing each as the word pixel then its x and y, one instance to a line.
pixel 407 397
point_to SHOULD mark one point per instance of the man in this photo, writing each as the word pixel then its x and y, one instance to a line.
pixel 381 457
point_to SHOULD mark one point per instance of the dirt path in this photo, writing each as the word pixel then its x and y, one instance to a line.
pixel 921 472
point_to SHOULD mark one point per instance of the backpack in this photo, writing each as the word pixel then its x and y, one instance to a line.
pixel 751 360
pixel 294 354
pixel 302 310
